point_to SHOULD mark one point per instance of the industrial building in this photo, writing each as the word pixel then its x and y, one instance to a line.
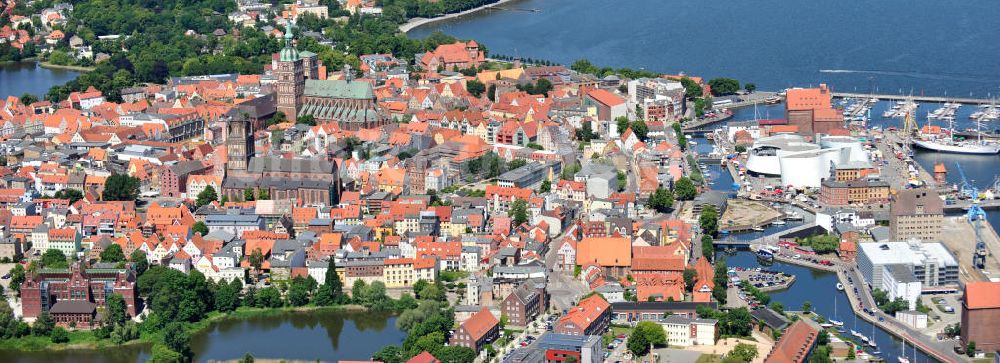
pixel 800 163
pixel 930 263
pixel 916 213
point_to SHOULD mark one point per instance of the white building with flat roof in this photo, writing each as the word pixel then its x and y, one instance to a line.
pixel 684 331
pixel 898 282
pixel 930 262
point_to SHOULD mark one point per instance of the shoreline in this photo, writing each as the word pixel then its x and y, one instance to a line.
pixel 192 328
pixel 80 69
pixel 418 22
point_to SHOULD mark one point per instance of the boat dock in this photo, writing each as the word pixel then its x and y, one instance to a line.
pixel 935 99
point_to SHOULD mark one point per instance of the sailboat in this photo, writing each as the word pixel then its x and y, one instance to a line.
pixel 871 342
pixel 902 358
pixel 839 324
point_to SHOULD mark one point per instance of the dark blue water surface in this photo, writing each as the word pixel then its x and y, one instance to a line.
pixel 17 79
pixel 931 47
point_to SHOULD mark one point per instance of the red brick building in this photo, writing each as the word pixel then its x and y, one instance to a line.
pixel 480 329
pixel 522 305
pixel 981 315
pixel 73 295
pixel 591 316
pixel 795 345
pixel 811 110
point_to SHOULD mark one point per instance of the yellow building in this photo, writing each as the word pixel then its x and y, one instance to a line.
pixel 404 272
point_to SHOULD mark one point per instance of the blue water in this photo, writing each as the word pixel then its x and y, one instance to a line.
pixel 17 79
pixel 819 289
pixel 930 47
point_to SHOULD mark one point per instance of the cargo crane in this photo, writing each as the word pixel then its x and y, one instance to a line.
pixel 975 216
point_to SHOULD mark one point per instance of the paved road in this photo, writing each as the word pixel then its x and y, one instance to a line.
pixel 562 287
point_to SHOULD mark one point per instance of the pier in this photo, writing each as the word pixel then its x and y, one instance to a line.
pixel 936 99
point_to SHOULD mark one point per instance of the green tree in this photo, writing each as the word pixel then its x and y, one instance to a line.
pixel 116 310
pixel 263 194
pixel 691 88
pixel 27 99
pixel 59 335
pixel 207 196
pixel 707 246
pixel 662 200
pixel 690 275
pixel 227 295
pixel 199 227
pixel 750 87
pixel 709 220
pixel 685 189
pixel 640 130
pixel 247 358
pixel 248 194
pixel 163 354
pixel 43 325
pixel 622 181
pixel 737 322
pixel 53 258
pixel 176 338
pixel 139 261
pixel 586 132
pixel 970 349
pixel 519 212
pixel 120 187
pixel 646 333
pixel 72 195
pixel 256 259
pixel 743 352
pixel 491 92
pixel 545 187
pixel 113 253
pixel 475 87
pixel 17 276
pixel 724 86
pixel 807 307
pixel 621 124
pixel 306 120
pixel 269 297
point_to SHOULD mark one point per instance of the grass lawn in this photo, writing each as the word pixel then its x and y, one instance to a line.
pixel 709 358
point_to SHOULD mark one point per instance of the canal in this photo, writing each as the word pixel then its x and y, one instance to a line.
pixel 819 289
pixel 309 336
pixel 17 79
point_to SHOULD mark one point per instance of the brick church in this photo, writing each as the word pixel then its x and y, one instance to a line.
pixel 301 91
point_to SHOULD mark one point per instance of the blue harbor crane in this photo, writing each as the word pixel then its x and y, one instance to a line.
pixel 975 216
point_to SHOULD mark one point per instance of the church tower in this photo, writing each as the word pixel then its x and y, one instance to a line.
pixel 239 144
pixel 290 75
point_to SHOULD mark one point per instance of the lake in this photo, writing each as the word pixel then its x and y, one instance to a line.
pixel 931 47
pixel 325 336
pixel 17 79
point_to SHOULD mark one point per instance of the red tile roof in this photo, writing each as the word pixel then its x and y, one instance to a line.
pixel 982 295
pixel 480 323
pixel 794 345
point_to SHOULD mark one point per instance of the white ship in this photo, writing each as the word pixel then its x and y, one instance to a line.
pixel 959 147
pixel 946 143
